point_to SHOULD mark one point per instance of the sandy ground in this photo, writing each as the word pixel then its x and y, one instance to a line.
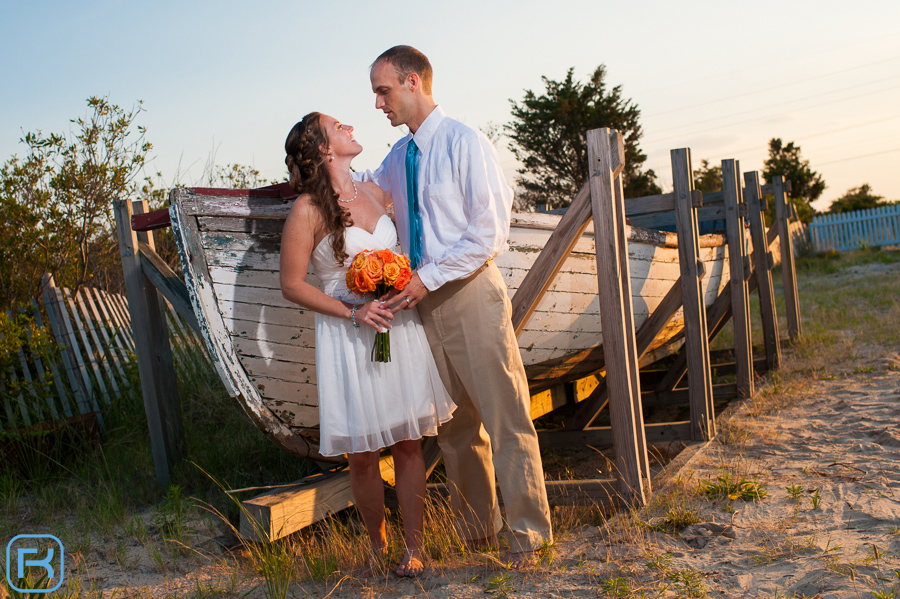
pixel 828 456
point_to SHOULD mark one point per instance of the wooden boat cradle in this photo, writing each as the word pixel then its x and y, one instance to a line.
pixel 258 215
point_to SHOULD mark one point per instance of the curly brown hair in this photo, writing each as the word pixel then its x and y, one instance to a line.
pixel 308 174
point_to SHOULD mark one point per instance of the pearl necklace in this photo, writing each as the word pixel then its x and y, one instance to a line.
pixel 355 191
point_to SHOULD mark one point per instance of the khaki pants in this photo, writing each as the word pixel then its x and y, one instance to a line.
pixel 471 335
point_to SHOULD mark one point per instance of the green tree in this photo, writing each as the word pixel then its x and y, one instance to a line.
pixel 548 134
pixel 56 202
pixel 806 184
pixel 708 178
pixel 857 198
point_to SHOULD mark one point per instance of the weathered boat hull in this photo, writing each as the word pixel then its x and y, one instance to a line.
pixel 264 346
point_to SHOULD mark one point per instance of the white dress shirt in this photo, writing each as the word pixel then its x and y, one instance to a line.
pixel 464 200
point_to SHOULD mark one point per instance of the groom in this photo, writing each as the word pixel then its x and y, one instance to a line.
pixel 452 206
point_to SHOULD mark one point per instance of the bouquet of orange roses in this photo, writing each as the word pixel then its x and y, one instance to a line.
pixel 375 272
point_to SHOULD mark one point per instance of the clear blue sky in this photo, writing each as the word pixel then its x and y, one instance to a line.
pixel 228 79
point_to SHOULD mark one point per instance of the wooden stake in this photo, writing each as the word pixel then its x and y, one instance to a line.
pixel 703 419
pixel 153 352
pixel 616 312
pixel 763 271
pixel 740 297
pixel 788 269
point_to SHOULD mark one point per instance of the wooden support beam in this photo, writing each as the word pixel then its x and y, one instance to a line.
pixel 605 435
pixel 658 203
pixel 158 219
pixel 605 152
pixel 169 284
pixel 645 335
pixel 152 350
pixel 550 260
pixel 682 396
pixel 763 272
pixel 280 512
pixel 788 269
pixel 740 297
pixel 695 329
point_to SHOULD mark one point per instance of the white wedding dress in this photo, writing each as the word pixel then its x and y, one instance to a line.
pixel 366 405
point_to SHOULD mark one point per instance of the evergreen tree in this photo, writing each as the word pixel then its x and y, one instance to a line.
pixel 548 134
pixel 806 184
pixel 857 198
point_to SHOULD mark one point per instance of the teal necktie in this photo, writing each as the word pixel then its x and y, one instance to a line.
pixel 412 198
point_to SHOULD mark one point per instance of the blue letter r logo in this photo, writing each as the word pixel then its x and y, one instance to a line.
pixel 25 549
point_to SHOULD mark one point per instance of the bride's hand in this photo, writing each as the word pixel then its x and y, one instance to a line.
pixel 375 314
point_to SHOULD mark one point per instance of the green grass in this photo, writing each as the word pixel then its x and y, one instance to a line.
pixel 82 490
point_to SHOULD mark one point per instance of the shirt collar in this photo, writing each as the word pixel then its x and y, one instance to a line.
pixel 428 127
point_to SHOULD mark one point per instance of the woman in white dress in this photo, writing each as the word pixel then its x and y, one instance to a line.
pixel 363 405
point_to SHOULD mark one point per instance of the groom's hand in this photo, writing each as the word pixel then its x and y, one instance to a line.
pixel 411 295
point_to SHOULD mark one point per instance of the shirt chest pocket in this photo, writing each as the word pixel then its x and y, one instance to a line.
pixel 445 203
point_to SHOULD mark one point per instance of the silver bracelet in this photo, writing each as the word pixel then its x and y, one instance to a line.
pixel 353 317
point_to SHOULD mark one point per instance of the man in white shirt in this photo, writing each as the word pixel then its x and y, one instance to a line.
pixel 452 206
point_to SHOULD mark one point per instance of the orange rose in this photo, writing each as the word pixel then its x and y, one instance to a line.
pixel 359 261
pixel 363 283
pixel 392 270
pixel 387 256
pixel 403 278
pixel 402 260
pixel 374 267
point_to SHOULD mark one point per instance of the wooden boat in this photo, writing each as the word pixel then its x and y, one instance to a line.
pixel 264 346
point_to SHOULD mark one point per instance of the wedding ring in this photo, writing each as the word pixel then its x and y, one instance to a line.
pixel 407 301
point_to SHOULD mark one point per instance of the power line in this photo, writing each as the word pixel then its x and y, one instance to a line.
pixel 767 115
pixel 818 164
pixel 774 87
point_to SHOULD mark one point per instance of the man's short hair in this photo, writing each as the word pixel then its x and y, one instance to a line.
pixel 407 60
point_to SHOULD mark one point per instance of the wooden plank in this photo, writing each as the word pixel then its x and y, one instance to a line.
pixel 788 269
pixel 765 287
pixel 740 297
pixel 682 396
pixel 168 283
pixel 152 350
pixel 158 219
pixel 605 435
pixel 91 355
pixel 63 394
pixel 280 512
pixel 37 410
pixel 92 326
pixel 119 311
pixel 118 332
pixel 696 342
pixel 658 203
pixel 101 324
pixel 616 312
pixel 71 343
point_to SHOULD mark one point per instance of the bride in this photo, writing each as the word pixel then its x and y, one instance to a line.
pixel 364 406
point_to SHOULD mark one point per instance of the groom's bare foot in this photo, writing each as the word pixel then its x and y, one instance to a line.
pixel 519 560
pixel 482 544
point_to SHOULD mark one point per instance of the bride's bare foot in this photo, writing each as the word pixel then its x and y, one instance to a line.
pixel 412 565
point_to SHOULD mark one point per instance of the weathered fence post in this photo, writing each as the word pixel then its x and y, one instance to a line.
pixel 616 312
pixel 696 344
pixel 788 270
pixel 152 350
pixel 740 296
pixel 763 271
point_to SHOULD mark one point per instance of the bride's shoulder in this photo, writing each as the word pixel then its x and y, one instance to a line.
pixel 383 196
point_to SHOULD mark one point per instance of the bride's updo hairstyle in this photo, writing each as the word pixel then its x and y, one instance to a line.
pixel 308 174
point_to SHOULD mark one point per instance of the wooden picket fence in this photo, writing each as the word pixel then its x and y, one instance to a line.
pixel 875 227
pixel 89 362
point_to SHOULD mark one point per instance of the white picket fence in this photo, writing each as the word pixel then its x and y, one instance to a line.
pixel 876 227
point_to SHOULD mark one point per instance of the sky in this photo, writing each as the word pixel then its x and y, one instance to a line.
pixel 223 82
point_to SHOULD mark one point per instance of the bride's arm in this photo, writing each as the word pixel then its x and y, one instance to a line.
pixel 297 244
